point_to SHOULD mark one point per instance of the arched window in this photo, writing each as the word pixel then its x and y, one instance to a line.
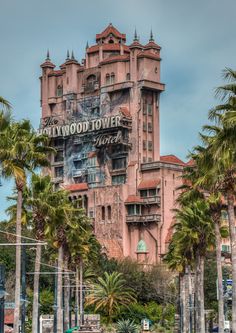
pixel 91 79
pixel 108 78
pixel 112 78
pixel 128 76
pixel 59 91
pixel 103 213
pixel 109 212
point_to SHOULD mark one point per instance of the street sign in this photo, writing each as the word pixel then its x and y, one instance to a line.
pixel 9 305
pixel 145 324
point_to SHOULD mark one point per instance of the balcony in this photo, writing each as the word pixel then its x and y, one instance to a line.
pixel 57 179
pixel 155 200
pixel 79 156
pixel 149 218
pixel 79 172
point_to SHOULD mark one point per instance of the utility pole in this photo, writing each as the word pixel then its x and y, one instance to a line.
pixel 81 294
pixel 2 297
pixel 76 296
pixel 55 305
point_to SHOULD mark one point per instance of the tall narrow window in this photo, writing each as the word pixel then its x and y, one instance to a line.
pixel 103 213
pixel 149 109
pixel 108 79
pixel 109 212
pixel 59 91
pixel 112 78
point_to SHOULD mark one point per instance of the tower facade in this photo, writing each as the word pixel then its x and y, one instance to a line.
pixel 102 116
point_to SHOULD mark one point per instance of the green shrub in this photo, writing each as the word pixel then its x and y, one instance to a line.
pixel 126 326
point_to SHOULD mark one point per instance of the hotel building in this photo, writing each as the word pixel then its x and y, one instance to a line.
pixel 102 115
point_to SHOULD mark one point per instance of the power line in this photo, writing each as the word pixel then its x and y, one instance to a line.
pixel 10 233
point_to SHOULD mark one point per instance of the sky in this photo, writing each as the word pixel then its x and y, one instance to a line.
pixel 198 40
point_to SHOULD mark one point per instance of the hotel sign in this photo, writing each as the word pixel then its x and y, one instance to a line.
pixel 54 130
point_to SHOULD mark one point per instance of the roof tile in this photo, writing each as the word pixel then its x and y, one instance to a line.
pixel 149 183
pixel 171 159
pixel 76 187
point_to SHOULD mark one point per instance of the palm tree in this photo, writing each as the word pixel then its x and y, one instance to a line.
pixel 204 181
pixel 21 151
pixel 192 238
pixel 40 203
pixel 5 105
pixel 110 294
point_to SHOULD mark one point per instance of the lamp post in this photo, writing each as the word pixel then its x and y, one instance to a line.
pixel 2 297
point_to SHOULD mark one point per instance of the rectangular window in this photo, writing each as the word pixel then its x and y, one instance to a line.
pixel 119 163
pixel 149 109
pixel 78 180
pixel 77 148
pixel 58 142
pixel 92 161
pixel 149 159
pixel 92 178
pixel 150 145
pixel 145 127
pixel 144 159
pixel 131 209
pixel 144 109
pixel 143 193
pixel 152 192
pixel 144 145
pixel 59 172
pixel 59 157
pixel 150 127
pixel 78 164
pixel 119 179
pixel 226 248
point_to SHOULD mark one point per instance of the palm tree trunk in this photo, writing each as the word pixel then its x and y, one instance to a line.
pixel 66 294
pixel 18 261
pixel 231 216
pixel 36 289
pixel 59 292
pixel 200 311
pixel 182 303
pixel 201 294
pixel 219 278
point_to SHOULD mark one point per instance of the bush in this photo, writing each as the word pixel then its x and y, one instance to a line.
pixel 126 326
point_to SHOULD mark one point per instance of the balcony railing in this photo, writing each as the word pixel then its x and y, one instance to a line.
pixel 79 172
pixel 58 179
pixel 143 218
pixel 152 200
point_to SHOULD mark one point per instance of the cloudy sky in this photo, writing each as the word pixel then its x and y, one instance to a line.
pixel 197 40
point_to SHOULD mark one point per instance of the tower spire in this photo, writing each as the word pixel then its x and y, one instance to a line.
pixel 151 36
pixel 135 36
pixel 68 55
pixel 48 56
pixel 87 45
pixel 72 55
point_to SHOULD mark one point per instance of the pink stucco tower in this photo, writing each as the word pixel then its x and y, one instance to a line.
pixel 102 115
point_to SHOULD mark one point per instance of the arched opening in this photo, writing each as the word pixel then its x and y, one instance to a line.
pixel 103 213
pixel 107 78
pixel 59 91
pixel 112 78
pixel 109 212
